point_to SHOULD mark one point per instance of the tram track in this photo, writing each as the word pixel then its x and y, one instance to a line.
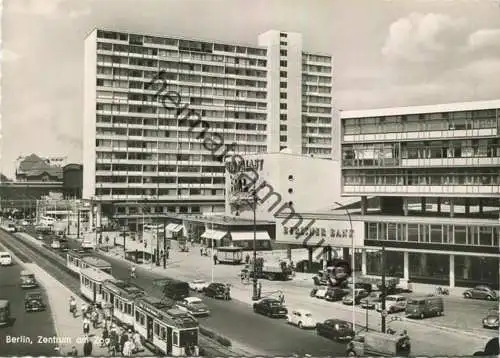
pixel 55 265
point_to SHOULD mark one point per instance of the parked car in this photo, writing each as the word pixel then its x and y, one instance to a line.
pixel 33 302
pixel 364 285
pixel 5 258
pixel 321 292
pixel 393 303
pixel 270 307
pixel 359 294
pixel 198 285
pixel 55 244
pixel 481 292
pixel 371 300
pixel 335 329
pixel 215 290
pixel 335 294
pixel 301 318
pixel 194 306
pixel 491 319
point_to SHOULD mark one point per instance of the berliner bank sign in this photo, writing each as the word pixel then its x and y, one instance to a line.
pixel 323 232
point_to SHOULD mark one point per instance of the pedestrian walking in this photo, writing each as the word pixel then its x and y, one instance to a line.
pixel 201 250
pixel 128 347
pixel 95 318
pixel 105 337
pixel 167 252
pixel 87 347
pixel 72 306
pixel 259 290
pixel 73 352
pixel 136 337
pixel 123 339
pixel 215 259
pixel 86 325
pixel 227 294
pixel 84 309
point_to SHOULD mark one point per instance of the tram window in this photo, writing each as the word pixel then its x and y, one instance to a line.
pixel 157 329
pixel 136 316
pixel 162 333
pixel 142 320
pixel 176 338
pixel 100 290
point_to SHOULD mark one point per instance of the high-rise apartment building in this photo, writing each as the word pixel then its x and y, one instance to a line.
pixel 137 151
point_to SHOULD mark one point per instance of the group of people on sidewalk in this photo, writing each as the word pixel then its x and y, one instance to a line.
pixel 126 342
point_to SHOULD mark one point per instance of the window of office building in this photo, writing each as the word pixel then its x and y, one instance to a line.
pixel 283 63
pixel 394 263
pixel 471 270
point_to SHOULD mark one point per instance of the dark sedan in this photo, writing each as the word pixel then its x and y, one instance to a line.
pixel 335 329
pixel 481 292
pixel 33 302
pixel 335 294
pixel 371 301
pixel 270 307
pixel 215 290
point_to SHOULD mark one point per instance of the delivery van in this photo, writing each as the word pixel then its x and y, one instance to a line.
pixel 425 306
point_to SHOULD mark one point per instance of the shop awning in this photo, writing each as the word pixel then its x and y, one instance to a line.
pixel 171 227
pixel 178 228
pixel 214 235
pixel 248 235
pixel 207 234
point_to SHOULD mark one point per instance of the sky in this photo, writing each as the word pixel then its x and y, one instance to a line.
pixel 386 53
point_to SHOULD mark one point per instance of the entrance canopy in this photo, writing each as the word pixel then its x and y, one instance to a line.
pixel 248 236
pixel 214 235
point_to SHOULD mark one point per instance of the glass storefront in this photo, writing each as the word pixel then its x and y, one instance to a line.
pixel 429 268
pixel 473 270
pixel 394 263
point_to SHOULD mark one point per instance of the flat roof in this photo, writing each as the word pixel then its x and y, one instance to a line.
pixel 95 261
pixel 433 108
pixel 218 220
pixel 440 220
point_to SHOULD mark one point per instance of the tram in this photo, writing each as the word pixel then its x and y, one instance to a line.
pixel 121 296
pixel 172 331
pixel 91 281
pixel 76 261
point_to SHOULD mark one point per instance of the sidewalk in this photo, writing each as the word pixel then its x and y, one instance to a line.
pixel 428 338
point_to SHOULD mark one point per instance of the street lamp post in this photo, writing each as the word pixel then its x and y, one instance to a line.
pixel 255 295
pixel 384 291
pixel 353 247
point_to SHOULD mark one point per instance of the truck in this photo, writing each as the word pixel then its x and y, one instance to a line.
pixel 336 274
pixel 274 270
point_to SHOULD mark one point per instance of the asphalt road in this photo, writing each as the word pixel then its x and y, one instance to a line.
pixel 237 321
pixel 32 325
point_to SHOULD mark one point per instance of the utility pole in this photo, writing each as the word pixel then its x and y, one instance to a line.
pixel 78 224
pixel 165 244
pixel 384 291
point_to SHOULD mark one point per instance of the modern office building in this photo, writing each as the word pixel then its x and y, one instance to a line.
pixel 141 152
pixel 435 171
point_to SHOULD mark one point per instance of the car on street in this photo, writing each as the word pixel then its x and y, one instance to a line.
pixel 270 307
pixel 5 258
pixel 55 244
pixel 33 302
pixel 335 294
pixel 359 294
pixel 335 329
pixel 371 300
pixel 393 304
pixel 87 245
pixel 301 318
pixel 215 290
pixel 198 285
pixel 491 319
pixel 481 292
pixel 321 292
pixel 194 306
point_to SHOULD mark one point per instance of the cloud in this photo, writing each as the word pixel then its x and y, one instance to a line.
pixel 49 8
pixel 7 55
pixel 422 37
pixel 78 13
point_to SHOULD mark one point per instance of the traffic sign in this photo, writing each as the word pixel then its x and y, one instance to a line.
pixel 384 313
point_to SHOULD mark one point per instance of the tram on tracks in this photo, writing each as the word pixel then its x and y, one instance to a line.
pixel 171 331
pixel 91 282
pixel 76 261
pixel 120 296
